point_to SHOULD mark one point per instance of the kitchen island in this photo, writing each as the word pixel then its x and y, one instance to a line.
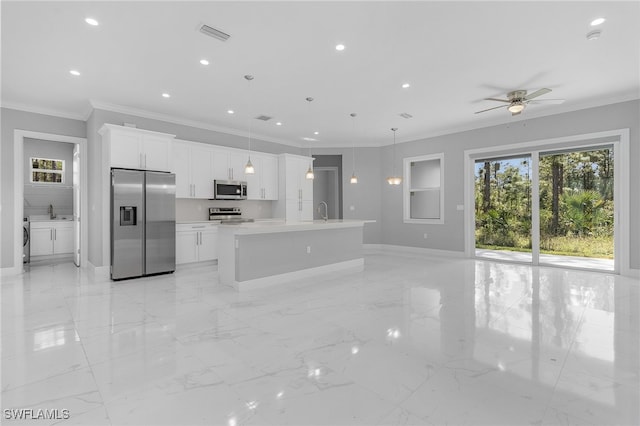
pixel 252 255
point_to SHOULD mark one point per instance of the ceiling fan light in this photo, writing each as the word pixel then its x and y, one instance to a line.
pixel 516 107
pixel 354 178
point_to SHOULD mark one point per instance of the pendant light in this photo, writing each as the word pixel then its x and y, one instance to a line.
pixel 354 178
pixel 394 179
pixel 309 174
pixel 249 169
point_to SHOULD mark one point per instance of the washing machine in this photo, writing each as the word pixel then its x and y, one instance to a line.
pixel 26 241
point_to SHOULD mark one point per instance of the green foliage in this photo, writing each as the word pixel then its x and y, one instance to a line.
pixel 576 203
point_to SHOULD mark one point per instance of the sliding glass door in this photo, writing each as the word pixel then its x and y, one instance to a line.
pixel 503 208
pixel 569 223
pixel 576 208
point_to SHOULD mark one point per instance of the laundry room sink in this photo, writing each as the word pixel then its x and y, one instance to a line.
pixel 46 217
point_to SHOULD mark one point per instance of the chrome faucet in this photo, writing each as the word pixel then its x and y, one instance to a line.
pixel 50 211
pixel 326 210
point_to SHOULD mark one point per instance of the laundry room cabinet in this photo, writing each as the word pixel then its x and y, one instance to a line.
pixel 51 237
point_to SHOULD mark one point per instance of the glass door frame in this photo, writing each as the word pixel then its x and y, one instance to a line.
pixel 619 139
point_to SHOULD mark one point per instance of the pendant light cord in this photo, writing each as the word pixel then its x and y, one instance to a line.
pixel 394 150
pixel 249 78
pixel 353 143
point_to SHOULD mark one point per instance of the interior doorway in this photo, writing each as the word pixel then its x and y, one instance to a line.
pixel 76 236
pixel 326 189
pixel 51 202
pixel 327 185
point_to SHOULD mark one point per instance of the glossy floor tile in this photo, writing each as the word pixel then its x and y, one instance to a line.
pixel 410 340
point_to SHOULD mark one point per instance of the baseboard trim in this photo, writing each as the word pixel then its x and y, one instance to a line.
pixel 10 271
pixel 354 265
pixel 99 271
pixel 633 273
pixel 414 250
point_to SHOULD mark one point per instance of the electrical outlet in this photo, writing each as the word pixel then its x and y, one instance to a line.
pixel 308 249
pixel 460 207
pixel 425 235
pixel 352 208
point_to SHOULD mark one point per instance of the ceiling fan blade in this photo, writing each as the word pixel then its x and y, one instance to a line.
pixel 537 93
pixel 547 101
pixel 496 99
pixel 489 109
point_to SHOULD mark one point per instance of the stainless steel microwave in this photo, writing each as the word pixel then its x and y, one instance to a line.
pixel 229 190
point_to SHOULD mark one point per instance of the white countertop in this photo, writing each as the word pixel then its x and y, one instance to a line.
pixel 195 222
pixel 276 226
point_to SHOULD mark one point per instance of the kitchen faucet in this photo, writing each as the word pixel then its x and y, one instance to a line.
pixel 50 211
pixel 326 210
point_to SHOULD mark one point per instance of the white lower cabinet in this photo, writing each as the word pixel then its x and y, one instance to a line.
pixel 196 242
pixel 54 237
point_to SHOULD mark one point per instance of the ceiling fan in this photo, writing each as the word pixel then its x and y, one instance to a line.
pixel 518 99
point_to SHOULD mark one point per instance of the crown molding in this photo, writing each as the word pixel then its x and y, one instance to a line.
pixel 44 111
pixel 185 122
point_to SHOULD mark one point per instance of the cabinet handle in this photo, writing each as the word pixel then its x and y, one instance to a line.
pixel 141 166
pixel 55 234
pixel 145 161
pixel 51 234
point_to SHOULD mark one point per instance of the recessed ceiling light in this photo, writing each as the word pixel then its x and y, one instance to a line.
pixel 230 111
pixel 340 47
pixel 166 95
pixel 316 133
pixel 92 21
pixel 278 124
pixel 597 21
pixel 204 62
pixel 74 72
pixel 406 85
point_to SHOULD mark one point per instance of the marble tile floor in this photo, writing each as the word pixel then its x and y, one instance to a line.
pixel 408 341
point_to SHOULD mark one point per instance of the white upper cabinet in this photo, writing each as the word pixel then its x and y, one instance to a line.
pixel 133 148
pixel 263 184
pixel 193 167
pixel 229 164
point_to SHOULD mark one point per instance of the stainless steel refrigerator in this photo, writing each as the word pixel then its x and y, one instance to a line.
pixel 143 223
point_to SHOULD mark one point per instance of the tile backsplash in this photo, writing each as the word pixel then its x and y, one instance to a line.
pixel 37 199
pixel 188 210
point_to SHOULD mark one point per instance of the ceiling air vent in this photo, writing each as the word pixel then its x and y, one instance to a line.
pixel 263 117
pixel 212 32
pixel 405 115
